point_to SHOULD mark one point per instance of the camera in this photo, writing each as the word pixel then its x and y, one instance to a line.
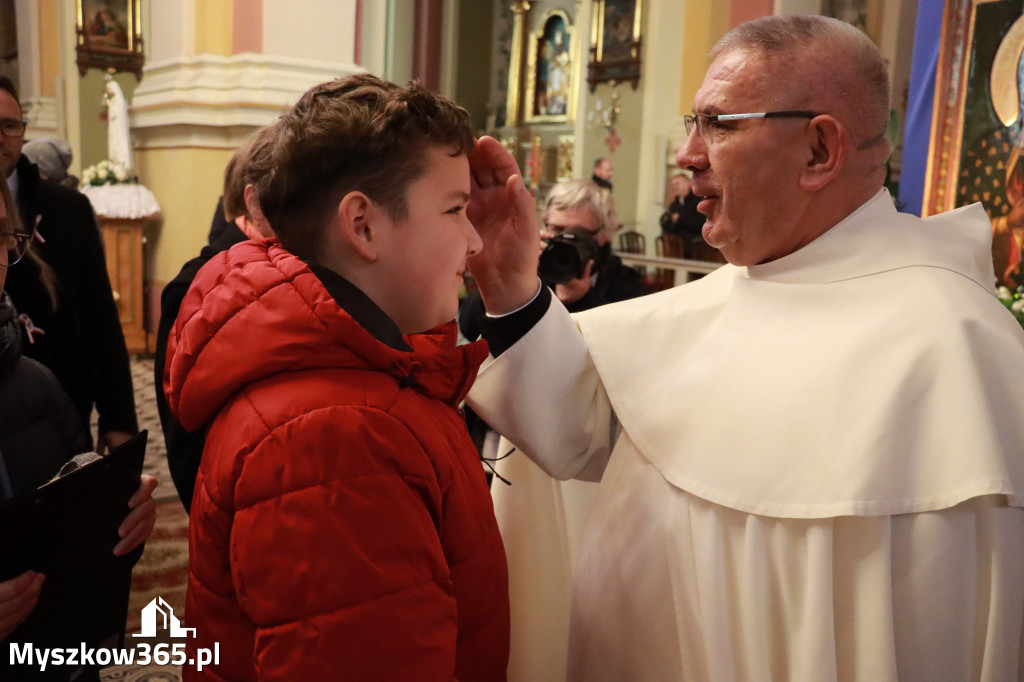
pixel 565 256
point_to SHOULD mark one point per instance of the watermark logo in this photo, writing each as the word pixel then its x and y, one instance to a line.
pixel 143 653
pixel 170 622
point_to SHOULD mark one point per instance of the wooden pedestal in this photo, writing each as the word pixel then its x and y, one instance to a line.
pixel 123 241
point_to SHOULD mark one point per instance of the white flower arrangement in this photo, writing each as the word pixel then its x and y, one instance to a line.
pixel 1013 300
pixel 107 173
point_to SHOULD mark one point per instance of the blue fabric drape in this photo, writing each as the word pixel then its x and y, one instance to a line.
pixel 920 103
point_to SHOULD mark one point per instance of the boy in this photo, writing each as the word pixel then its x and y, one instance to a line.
pixel 341 525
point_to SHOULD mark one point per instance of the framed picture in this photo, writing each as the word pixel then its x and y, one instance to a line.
pixel 109 36
pixel 551 68
pixel 615 43
pixel 977 126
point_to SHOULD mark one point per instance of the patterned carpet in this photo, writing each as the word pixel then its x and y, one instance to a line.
pixel 163 569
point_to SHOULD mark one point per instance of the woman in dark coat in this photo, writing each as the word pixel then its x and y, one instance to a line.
pixel 39 429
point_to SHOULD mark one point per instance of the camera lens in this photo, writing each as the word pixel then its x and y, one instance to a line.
pixel 565 256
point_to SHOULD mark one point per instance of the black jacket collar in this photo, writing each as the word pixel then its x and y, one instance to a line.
pixel 362 309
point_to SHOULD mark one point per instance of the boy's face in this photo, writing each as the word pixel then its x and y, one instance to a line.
pixel 426 252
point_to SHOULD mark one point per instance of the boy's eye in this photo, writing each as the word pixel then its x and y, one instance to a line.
pixel 455 210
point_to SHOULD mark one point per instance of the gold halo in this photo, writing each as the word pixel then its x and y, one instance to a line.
pixel 1003 78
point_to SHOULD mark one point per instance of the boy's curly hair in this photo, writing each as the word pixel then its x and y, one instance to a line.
pixel 358 133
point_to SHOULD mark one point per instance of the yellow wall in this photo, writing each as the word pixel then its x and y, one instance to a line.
pixel 49 53
pixel 704 24
pixel 187 182
pixel 213 27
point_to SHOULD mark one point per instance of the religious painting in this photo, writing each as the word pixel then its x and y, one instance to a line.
pixel 551 85
pixel 615 43
pixel 977 128
pixel 109 36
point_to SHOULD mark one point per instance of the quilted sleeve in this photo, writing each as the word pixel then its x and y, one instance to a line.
pixel 335 552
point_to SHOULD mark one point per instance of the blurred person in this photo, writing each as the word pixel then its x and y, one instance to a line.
pixel 242 222
pixel 805 474
pixel 76 331
pixel 602 175
pixel 53 156
pixel 327 370
pixel 39 428
pixel 681 216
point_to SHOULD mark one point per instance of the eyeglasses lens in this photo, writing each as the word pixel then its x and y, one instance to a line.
pixel 12 127
pixel 16 244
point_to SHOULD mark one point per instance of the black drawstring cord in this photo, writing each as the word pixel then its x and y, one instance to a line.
pixel 488 460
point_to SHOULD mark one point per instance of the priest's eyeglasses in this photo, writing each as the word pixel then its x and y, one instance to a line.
pixel 16 243
pixel 12 127
pixel 704 123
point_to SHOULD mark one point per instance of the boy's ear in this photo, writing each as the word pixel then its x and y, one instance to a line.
pixel 356 221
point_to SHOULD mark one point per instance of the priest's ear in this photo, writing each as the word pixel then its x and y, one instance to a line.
pixel 827 140
pixel 358 224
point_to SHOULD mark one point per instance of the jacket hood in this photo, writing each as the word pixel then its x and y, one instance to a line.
pixel 257 310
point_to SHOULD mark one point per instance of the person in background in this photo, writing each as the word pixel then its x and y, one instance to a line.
pixel 327 370
pixel 602 175
pixel 53 156
pixel 247 165
pixel 810 459
pixel 577 204
pixel 681 216
pixel 76 331
pixel 39 429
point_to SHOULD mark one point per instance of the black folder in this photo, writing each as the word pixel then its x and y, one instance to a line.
pixel 67 530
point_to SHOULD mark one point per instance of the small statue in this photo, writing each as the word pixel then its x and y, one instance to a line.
pixel 119 143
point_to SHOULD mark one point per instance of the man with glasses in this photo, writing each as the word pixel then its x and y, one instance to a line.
pixel 812 459
pixel 78 333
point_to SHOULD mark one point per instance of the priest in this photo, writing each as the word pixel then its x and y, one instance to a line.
pixel 812 459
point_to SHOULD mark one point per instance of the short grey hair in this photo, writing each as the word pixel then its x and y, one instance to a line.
pixel 863 83
pixel 573 194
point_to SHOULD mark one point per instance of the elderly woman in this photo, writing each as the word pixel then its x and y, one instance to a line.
pixel 40 430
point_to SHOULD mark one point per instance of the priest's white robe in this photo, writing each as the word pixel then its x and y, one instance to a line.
pixel 810 469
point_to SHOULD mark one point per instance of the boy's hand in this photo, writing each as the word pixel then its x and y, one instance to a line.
pixel 503 212
pixel 18 596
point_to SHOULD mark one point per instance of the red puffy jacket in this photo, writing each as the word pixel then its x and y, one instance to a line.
pixel 341 526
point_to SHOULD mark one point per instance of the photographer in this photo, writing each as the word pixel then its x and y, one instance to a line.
pixel 578 217
pixel 576 209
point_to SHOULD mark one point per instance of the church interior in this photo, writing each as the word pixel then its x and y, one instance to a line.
pixel 199 77
pixel 561 84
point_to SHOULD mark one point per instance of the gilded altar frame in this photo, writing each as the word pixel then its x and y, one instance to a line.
pixel 615 42
pixel 109 36
pixel 546 102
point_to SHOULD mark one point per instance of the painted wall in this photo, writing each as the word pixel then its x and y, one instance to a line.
pixel 473 59
pixel 310 29
pixel 187 182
